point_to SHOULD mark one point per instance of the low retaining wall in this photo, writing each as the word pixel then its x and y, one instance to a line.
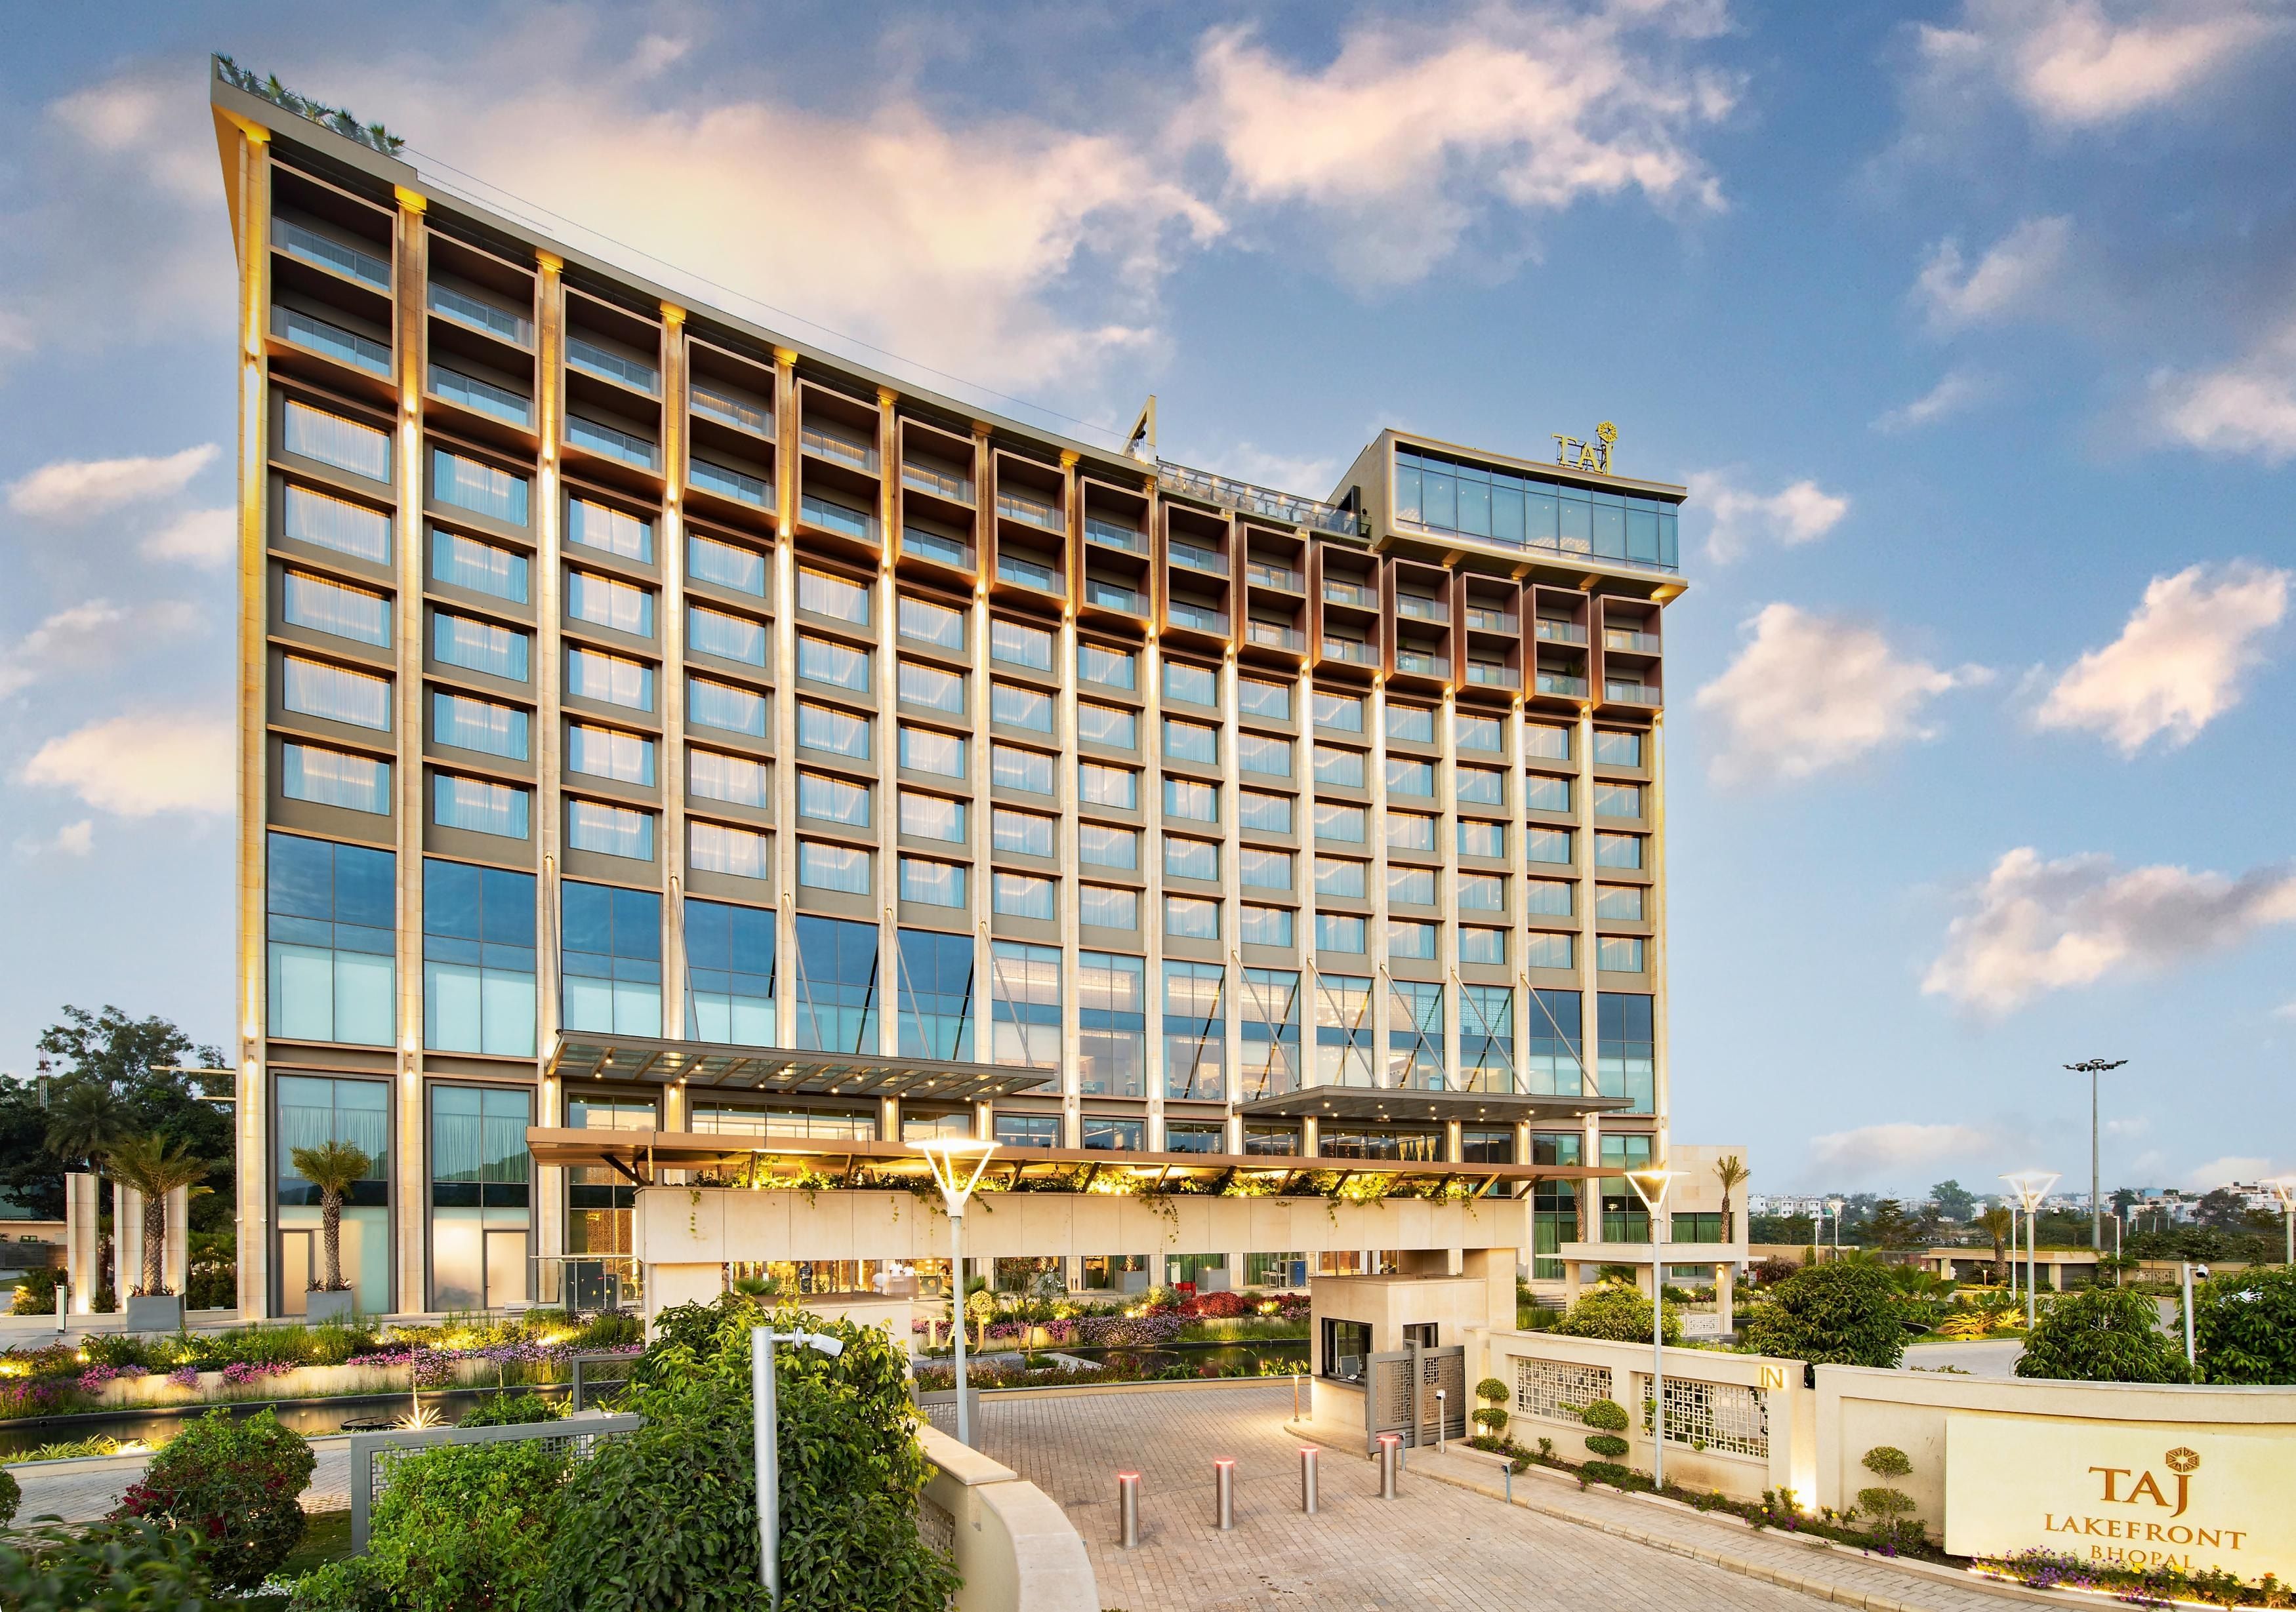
pixel 1017 1549
pixel 304 1382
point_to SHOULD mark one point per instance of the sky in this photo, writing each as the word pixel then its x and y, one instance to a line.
pixel 1970 326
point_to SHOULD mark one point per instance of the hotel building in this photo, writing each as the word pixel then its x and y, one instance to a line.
pixel 650 722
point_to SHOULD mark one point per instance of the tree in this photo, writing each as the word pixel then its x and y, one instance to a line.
pixel 1618 1311
pixel 1890 1227
pixel 2102 1335
pixel 2244 1327
pixel 85 1116
pixel 1838 1314
pixel 155 1167
pixel 1999 1224
pixel 1953 1201
pixel 331 1168
pixel 1730 1170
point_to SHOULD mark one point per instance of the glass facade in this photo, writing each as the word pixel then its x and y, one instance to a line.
pixel 729 972
pixel 1440 493
pixel 478 960
pixel 480 1185
pixel 836 984
pixel 310 1112
pixel 611 964
pixel 936 996
pixel 332 934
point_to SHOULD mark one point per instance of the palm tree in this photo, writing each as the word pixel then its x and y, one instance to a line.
pixel 155 1167
pixel 1730 1170
pixel 331 1168
pixel 1998 1224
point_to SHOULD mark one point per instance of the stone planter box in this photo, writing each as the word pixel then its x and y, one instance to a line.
pixel 304 1382
pixel 155 1311
pixel 320 1306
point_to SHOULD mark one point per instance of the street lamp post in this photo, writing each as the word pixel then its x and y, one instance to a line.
pixel 2284 1188
pixel 768 1430
pixel 2031 1186
pixel 1833 1208
pixel 948 1159
pixel 2093 1067
pixel 1649 1185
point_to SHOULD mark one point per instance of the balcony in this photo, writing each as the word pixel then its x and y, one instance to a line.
pixel 945 484
pixel 1561 683
pixel 1114 596
pixel 936 546
pixel 1034 511
pixel 839 517
pixel 1273 636
pixel 308 329
pixel 1492 674
pixel 1420 664
pixel 483 395
pixel 1195 557
pixel 480 316
pixel 726 409
pixel 614 443
pixel 1351 593
pixel 1109 533
pixel 592 359
pixel 1483 618
pixel 1021 571
pixel 752 490
pixel 1419 606
pixel 1260 574
pixel 1550 631
pixel 1353 650
pixel 330 254
pixel 842 449
pixel 1288 508
pixel 1627 638
pixel 1626 692
pixel 1201 617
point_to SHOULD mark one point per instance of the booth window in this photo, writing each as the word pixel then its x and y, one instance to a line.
pixel 1347 1349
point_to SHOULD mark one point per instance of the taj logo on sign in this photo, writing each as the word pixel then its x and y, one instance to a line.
pixel 1593 455
pixel 2142 1536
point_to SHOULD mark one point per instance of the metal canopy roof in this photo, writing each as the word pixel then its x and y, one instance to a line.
pixel 581 1055
pixel 1379 1107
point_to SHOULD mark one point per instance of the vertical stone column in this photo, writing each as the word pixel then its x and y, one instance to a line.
pixel 670 766
pixel 1446 846
pixel 83 1229
pixel 1590 1208
pixel 409 1166
pixel 1064 826
pixel 175 1257
pixel 126 1241
pixel 549 1211
pixel 885 756
pixel 978 811
pixel 1661 1083
pixel 785 727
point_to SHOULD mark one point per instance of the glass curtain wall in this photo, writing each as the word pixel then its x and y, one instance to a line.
pixel 1624 1218
pixel 1625 1060
pixel 313 1111
pixel 1195 1030
pixel 1555 1204
pixel 1112 1030
pixel 836 984
pixel 331 929
pixel 611 965
pixel 1271 1034
pixel 1415 1036
pixel 1487 1038
pixel 936 996
pixel 1552 1054
pixel 1025 999
pixel 1343 1023
pixel 729 973
pixel 480 1196
pixel 600 1206
pixel 478 960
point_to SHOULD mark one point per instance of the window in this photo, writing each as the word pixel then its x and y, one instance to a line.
pixel 477 961
pixel 1410 832
pixel 1196 1136
pixel 736 852
pixel 1541 793
pixel 939 884
pixel 1024 896
pixel 1108 724
pixel 1347 1350
pixel 1551 1055
pixel 332 439
pixel 335 609
pixel 1270 1033
pixel 1025 833
pixel 1028 1130
pixel 312 688
pixel 735 780
pixel 1407 939
pixel 1546 844
pixel 1265 870
pixel 1618 850
pixel 1482 893
pixel 932 817
pixel 1414 1034
pixel 1547 898
pixel 1017 644
pixel 1335 764
pixel 467 484
pixel 358 783
pixel 465 562
pixel 1625 1060
pixel 1482 786
pixel 1196 684
pixel 1619 954
pixel 1487 1049
pixel 1195 1030
pixel 827 660
pixel 1618 800
pixel 1110 668
pixel 932 687
pixel 930 750
pixel 476 807
pixel 1544 951
pixel 611 831
pixel 1478 838
pixel 1339 932
pixel 609 678
pixel 1269 701
pixel 1105 847
pixel 935 1019
pixel 1341 713
pixel 1115 1136
pixel 1257 926
pixel 612 959
pixel 1011 767
pixel 1479 944
pixel 1341 822
pixel 312 1112
pixel 1616 749
pixel 609 530
pixel 1340 876
pixel 1543 741
pixel 1260 753
pixel 605 602
pixel 833 596
pixel 836 984
pixel 479 646
pixel 1265 813
pixel 1108 906
pixel 726 565
pixel 937 624
pixel 827 729
pixel 831 800
pixel 1112 1025
pixel 1191 741
pixel 346 527
pixel 1344 1025
pixel 729 962
pixel 1190 801
pixel 1106 786
pixel 1406 776
pixel 1411 723
pixel 1025 1004
pixel 709 632
pixel 1487 734
pixel 1618 901
pixel 824 866
pixel 1185 858
pixel 1411 886
pixel 1018 706
pixel 1191 918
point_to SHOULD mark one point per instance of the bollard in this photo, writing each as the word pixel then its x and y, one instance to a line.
pixel 1308 1481
pixel 1223 1493
pixel 1439 1446
pixel 1295 1396
pixel 1391 1458
pixel 1127 1510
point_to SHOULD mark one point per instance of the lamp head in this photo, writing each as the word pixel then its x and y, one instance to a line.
pixel 1833 1205
pixel 1651 1183
pixel 2031 1186
pixel 956 1163
pixel 2284 1188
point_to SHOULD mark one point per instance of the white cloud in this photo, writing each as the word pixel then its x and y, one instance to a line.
pixel 140 765
pixel 86 635
pixel 75 490
pixel 2223 1171
pixel 72 840
pixel 2009 276
pixel 201 537
pixel 2134 1125
pixel 2178 664
pixel 2032 926
pixel 2248 407
pixel 1798 513
pixel 1959 389
pixel 1848 1157
pixel 1809 692
pixel 139 117
pixel 1284 472
pixel 2075 64
pixel 1411 134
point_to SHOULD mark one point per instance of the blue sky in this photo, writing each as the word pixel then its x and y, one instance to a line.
pixel 1971 325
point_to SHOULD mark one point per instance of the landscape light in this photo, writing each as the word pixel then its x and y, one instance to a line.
pixel 1651 1183
pixel 947 1158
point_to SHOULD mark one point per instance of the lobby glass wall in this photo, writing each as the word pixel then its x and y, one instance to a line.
pixel 331 931
pixel 1555 1204
pixel 600 1206
pixel 729 970
pixel 936 996
pixel 613 961
pixel 481 1210
pixel 313 1111
pixel 836 984
pixel 478 960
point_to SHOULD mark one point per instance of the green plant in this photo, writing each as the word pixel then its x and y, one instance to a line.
pixel 12 1495
pixel 234 1488
pixel 1731 1171
pixel 1837 1315
pixel 154 1165
pixel 456 1528
pixel 2244 1327
pixel 2102 1335
pixel 514 1410
pixel 36 1291
pixel 113 1567
pixel 1490 1414
pixel 332 1167
pixel 1608 1417
pixel 1617 1312
pixel 1892 1508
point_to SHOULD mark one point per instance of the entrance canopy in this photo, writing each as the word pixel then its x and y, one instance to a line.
pixel 1372 1105
pixel 779 1072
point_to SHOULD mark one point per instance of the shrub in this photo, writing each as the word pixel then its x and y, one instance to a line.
pixel 112 1566
pixel 457 1527
pixel 1617 1311
pixel 12 1495
pixel 1832 1315
pixel 1491 1415
pixel 514 1410
pixel 1605 1472
pixel 35 1292
pixel 1608 1417
pixel 1890 1509
pixel 610 1330
pixel 2244 1327
pixel 2102 1335
pixel 234 1488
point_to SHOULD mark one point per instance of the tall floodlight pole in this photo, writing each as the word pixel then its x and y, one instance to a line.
pixel 956 1163
pixel 2284 1188
pixel 1649 1185
pixel 1833 1208
pixel 766 1410
pixel 2093 1067
pixel 2031 1186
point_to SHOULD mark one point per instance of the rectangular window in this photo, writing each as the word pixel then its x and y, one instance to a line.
pixel 481 488
pixel 1270 1035
pixel 478 724
pixel 1487 1053
pixel 1625 1060
pixel 1024 896
pixel 939 884
pixel 930 750
pixel 1345 823
pixel 1340 876
pixel 1023 833
pixel 1551 1055
pixel 1482 786
pixel 935 972
pixel 1411 886
pixel 1410 832
pixel 1482 893
pixel 1541 793
pixel 726 565
pixel 838 665
pixel 1109 725
pixel 476 807
pixel 609 753
pixel 1341 713
pixel 1025 1004
pixel 1105 786
pixel 833 596
pixel 1339 932
pixel 709 632
pixel 609 530
pixel 937 624
pixel 335 609
pixel 1260 753
pixel 611 831
pixel 1021 708
pixel 827 729
pixel 932 687
pixel 1191 741
pixel 1618 800
pixel 1109 668
pixel 1011 767
pixel 1480 838
pixel 613 680
pixel 1269 701
pixel 824 866
pixel 1406 938
pixel 1618 850
pixel 335 523
pixel 1547 898
pixel 736 780
pixel 1265 813
pixel 829 800
pixel 1618 901
pixel 479 646
pixel 932 817
pixel 1115 1136
pixel 1028 1130
pixel 1546 844
pixel 729 963
pixel 1486 946
pixel 1108 906
pixel 332 439
pixel 1112 1022
pixel 358 783
pixel 477 961
pixel 1190 801
pixel 312 688
pixel 1265 870
pixel 737 852
pixel 611 961
pixel 1406 776
pixel 1619 954
pixel 1335 764
pixel 1016 643
pixel 1543 741
pixel 1195 1030
pixel 603 602
pixel 483 567
pixel 1486 734
pixel 312 1112
pixel 1257 926
pixel 1614 747
pixel 1185 858
pixel 836 984
pixel 1191 918
pixel 1106 847
pixel 1415 1034
pixel 1545 951
pixel 332 930
pixel 1196 684
pixel 1411 723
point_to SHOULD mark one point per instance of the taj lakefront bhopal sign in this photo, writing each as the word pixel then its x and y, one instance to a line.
pixel 2141 1493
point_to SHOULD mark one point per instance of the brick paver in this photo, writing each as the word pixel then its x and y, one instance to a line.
pixel 1438 1546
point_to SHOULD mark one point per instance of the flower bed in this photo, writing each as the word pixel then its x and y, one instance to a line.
pixel 2145 1586
pixel 938 1379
